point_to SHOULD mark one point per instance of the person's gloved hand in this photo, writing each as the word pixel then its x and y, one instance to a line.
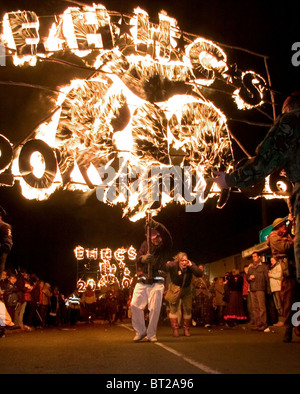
pixel 219 179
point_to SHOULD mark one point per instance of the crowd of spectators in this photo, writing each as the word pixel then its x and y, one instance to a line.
pixel 27 303
pixel 30 302
pixel 232 299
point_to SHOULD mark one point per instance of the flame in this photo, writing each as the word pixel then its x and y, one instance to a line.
pixel 102 120
pixel 125 119
pixel 38 164
pixel 53 42
pixel 282 191
pixel 257 82
pixel 20 33
pixel 183 123
pixel 204 58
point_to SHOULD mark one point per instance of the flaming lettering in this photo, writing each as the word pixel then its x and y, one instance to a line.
pixel 141 116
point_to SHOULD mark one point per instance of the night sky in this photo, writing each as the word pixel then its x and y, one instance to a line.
pixel 45 233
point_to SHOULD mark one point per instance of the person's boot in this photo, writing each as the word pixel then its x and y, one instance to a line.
pixel 175 326
pixel 288 335
pixel 186 326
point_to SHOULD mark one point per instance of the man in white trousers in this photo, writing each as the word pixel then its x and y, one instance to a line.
pixel 150 283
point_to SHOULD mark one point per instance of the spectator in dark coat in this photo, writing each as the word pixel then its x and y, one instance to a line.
pixel 6 242
pixel 259 285
pixel 234 311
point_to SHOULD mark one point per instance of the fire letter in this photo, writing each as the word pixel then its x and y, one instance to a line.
pixel 142 30
pixel 88 29
pixel 251 93
pixel 206 57
pixel 21 32
pixel 47 160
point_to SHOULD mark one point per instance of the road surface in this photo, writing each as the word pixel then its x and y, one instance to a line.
pixel 105 349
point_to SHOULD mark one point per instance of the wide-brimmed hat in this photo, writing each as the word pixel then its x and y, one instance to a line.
pixel 277 222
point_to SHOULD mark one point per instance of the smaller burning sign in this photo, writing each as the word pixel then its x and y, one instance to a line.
pixel 109 268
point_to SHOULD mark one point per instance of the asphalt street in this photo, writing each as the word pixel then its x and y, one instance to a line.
pixel 105 350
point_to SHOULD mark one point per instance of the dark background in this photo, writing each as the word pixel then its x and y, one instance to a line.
pixel 46 232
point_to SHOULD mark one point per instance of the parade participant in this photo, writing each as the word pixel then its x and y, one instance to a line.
pixel 5 239
pixel 73 305
pixel 89 300
pixel 151 260
pixel 111 304
pixel 279 149
pixel 181 273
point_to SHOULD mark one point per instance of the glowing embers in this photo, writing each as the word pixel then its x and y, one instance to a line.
pixel 86 125
pixel 102 121
pixel 88 136
pixel 149 133
pixel 199 130
pixel 166 150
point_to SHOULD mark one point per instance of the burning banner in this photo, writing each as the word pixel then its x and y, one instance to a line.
pixel 141 130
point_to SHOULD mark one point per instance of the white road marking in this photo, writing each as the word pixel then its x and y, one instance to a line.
pixel 189 360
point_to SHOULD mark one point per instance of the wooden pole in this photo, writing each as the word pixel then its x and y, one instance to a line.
pixel 148 219
pixel 271 92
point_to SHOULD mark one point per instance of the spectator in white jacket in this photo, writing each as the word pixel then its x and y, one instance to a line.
pixel 275 275
pixel 5 319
